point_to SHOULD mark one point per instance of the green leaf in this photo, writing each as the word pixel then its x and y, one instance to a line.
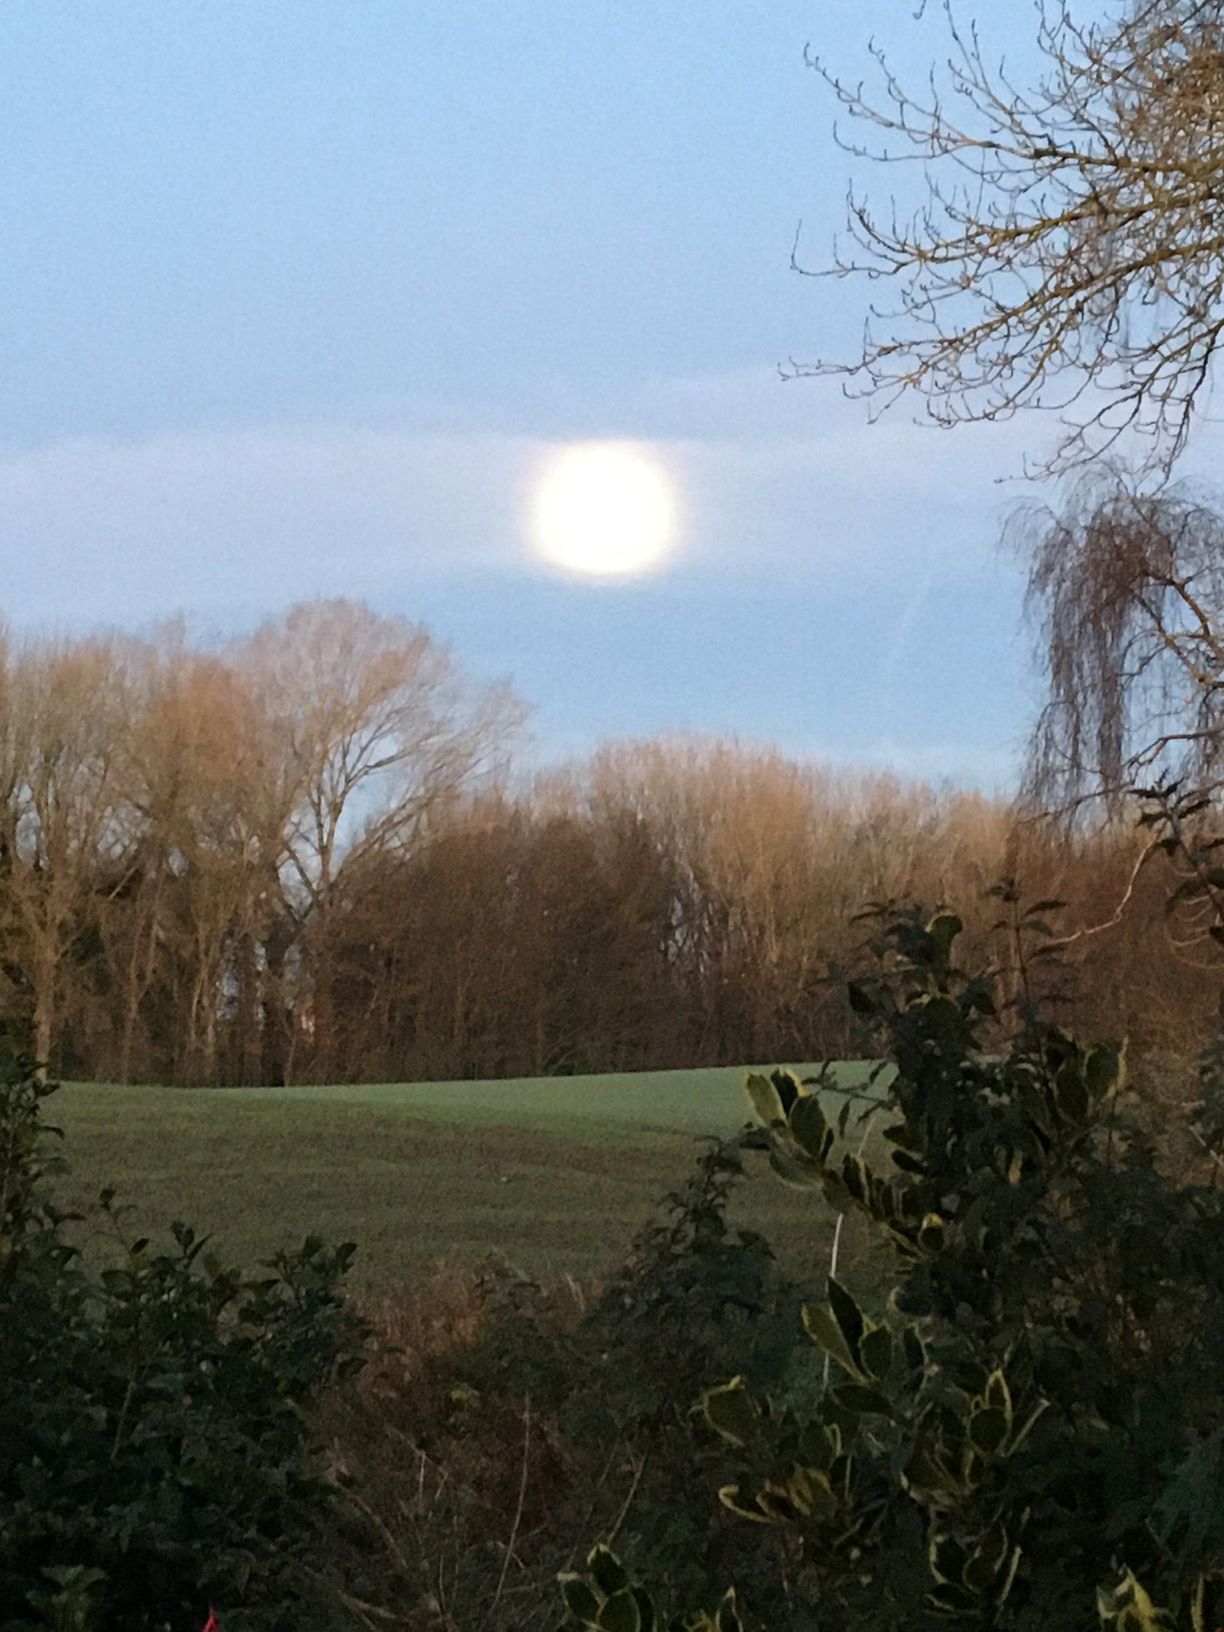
pixel 998 1393
pixel 580 1599
pixel 1071 1094
pixel 765 1100
pixel 607 1571
pixel 822 1328
pixel 1102 1069
pixel 1128 1608
pixel 799 1171
pixel 777 1501
pixel 788 1089
pixel 855 1178
pixel 620 1614
pixel 946 1558
pixel 927 1474
pixel 1187 1508
pixel 865 1401
pixel 988 1430
pixel 943 930
pixel 954 1602
pixel 727 1618
pixel 980 1571
pixel 809 1127
pixel 877 1351
pixel 734 1502
pixel 849 1318
pixel 915 1353
pixel 731 1411
pixel 819 1446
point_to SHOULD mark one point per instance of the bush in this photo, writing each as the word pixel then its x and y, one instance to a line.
pixel 1029 1432
pixel 520 1416
pixel 155 1456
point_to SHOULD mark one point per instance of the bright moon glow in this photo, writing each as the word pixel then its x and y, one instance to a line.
pixel 605 509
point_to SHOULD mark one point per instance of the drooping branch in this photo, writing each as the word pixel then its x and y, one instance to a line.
pixel 1127 592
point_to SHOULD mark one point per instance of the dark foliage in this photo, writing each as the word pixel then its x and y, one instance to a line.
pixel 1030 1433
pixel 155 1456
pixel 485 1465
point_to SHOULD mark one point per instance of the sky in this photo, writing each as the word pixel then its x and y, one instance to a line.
pixel 298 296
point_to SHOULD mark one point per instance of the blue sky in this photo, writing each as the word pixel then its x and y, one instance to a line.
pixel 297 294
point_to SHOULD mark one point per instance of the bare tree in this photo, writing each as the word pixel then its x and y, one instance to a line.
pixel 1069 248
pixel 64 816
pixel 181 886
pixel 1127 591
pixel 380 729
pixel 211 788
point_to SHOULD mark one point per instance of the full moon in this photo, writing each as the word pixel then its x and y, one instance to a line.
pixel 604 509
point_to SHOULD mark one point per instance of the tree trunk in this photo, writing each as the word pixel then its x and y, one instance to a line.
pixel 275 1035
pixel 44 1015
pixel 247 1050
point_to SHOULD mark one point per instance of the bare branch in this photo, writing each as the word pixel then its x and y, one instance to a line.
pixel 1070 249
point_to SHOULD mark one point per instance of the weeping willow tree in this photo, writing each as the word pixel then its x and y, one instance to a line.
pixel 1127 592
pixel 1126 589
pixel 1064 249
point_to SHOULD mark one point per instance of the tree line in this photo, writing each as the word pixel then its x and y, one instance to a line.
pixel 305 857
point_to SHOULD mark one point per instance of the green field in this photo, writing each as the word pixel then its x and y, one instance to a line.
pixel 556 1173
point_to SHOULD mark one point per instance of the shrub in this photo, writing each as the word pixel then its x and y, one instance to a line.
pixel 485 1451
pixel 156 1455
pixel 1029 1432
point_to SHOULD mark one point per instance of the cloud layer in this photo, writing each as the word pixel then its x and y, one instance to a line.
pixel 771 480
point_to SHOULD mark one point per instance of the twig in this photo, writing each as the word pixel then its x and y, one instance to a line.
pixel 518 1511
pixel 371 1614
pixel 384 1530
pixel 1145 855
pixel 837 1233
pixel 628 1502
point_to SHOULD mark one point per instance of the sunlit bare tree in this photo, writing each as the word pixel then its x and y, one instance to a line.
pixel 1067 246
pixel 379 728
pixel 64 820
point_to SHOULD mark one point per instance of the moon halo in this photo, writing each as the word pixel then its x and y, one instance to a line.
pixel 604 510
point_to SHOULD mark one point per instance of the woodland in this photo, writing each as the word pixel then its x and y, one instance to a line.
pixel 309 857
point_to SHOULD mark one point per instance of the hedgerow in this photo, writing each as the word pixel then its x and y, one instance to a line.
pixel 155 1449
pixel 1028 1432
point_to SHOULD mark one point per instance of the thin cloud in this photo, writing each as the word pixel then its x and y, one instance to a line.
pixel 127 531
pixel 132 530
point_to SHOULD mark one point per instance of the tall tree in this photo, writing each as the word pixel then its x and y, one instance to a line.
pixel 66 823
pixel 1127 590
pixel 381 729
pixel 211 785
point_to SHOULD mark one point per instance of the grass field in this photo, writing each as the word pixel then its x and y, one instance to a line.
pixel 556 1173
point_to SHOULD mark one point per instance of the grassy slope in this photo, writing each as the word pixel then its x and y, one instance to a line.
pixel 558 1173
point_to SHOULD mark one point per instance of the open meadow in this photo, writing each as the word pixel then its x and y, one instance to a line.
pixel 557 1174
